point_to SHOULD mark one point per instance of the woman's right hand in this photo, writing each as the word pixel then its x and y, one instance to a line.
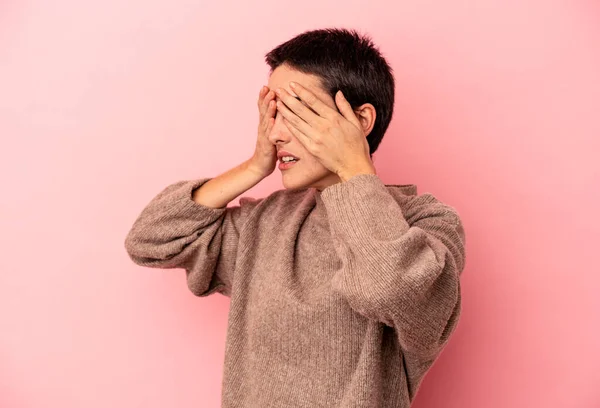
pixel 264 159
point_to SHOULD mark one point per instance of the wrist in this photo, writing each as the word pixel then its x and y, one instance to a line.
pixel 347 174
pixel 252 166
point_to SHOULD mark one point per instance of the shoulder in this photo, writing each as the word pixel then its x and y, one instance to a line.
pixel 416 205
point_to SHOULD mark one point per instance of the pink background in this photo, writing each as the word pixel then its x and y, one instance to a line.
pixel 102 104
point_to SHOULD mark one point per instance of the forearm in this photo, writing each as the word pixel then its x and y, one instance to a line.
pixel 221 190
pixel 402 257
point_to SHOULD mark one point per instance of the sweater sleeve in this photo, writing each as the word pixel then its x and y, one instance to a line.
pixel 401 263
pixel 173 231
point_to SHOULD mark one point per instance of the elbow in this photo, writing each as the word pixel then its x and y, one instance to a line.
pixel 442 313
pixel 452 322
pixel 134 247
pixel 132 244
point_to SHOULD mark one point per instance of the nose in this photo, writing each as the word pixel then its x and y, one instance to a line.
pixel 280 134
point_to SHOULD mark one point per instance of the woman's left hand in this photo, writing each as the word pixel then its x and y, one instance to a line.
pixel 336 140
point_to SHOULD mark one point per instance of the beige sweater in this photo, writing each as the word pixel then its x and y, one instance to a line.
pixel 339 298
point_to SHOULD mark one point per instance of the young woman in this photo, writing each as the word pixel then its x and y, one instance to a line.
pixel 343 290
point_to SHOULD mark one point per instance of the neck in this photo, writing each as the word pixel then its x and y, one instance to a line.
pixel 326 181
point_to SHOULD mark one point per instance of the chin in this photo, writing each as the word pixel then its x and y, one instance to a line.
pixel 299 181
pixel 295 182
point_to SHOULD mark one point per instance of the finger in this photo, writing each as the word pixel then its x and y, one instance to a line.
pixel 317 105
pixel 294 119
pixel 271 109
pixel 269 113
pixel 299 108
pixel 270 125
pixel 261 102
pixel 270 95
pixel 261 94
pixel 346 109
pixel 306 141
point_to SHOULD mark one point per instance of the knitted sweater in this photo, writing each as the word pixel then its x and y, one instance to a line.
pixel 338 298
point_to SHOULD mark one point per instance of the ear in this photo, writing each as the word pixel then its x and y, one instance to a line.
pixel 366 115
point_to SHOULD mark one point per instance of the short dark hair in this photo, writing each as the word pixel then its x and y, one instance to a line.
pixel 344 60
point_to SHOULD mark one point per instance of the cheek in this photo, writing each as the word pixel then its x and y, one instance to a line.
pixel 299 148
pixel 312 165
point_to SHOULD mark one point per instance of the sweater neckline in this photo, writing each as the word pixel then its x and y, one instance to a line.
pixel 407 189
pixel 320 208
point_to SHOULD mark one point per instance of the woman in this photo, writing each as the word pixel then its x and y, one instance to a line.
pixel 343 291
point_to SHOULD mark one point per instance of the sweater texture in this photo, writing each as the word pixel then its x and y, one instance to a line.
pixel 339 298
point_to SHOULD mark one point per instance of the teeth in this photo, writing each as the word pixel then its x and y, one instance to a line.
pixel 287 159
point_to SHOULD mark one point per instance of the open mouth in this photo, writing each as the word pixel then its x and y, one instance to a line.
pixel 289 159
pixel 287 162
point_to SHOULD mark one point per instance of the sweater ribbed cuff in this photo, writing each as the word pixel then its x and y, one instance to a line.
pixel 185 206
